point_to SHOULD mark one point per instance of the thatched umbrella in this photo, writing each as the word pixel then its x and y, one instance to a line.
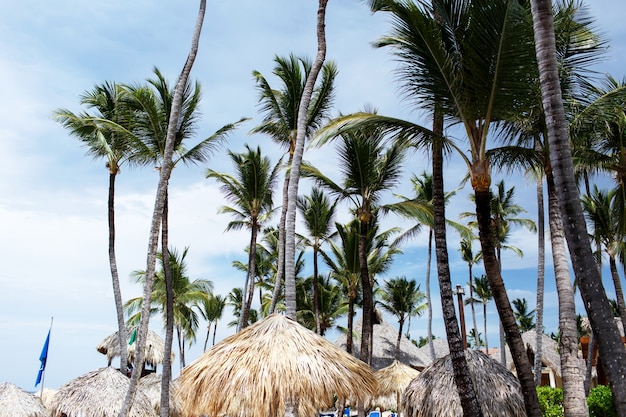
pixel 392 381
pixel 155 348
pixel 98 393
pixel 433 393
pixel 151 386
pixel 15 402
pixel 46 396
pixel 274 362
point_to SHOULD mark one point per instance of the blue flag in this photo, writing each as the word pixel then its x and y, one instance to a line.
pixel 43 358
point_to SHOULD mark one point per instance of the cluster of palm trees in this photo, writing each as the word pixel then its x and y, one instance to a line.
pixel 480 65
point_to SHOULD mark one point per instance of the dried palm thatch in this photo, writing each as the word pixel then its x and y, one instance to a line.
pixel 384 341
pixel 151 386
pixel 98 393
pixel 274 362
pixel 549 352
pixel 433 393
pixel 46 396
pixel 155 348
pixel 392 381
pixel 15 402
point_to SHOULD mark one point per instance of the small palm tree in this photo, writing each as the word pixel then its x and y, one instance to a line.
pixel 402 298
pixel 525 318
pixel 212 311
pixel 250 189
pixel 483 295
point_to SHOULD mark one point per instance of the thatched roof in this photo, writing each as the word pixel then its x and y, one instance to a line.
pixel 586 325
pixel 15 402
pixel 276 361
pixel 384 341
pixel 98 393
pixel 392 381
pixel 439 345
pixel 433 393
pixel 549 352
pixel 151 386
pixel 155 347
pixel 46 396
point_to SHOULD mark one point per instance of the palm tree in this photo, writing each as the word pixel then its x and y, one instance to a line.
pixel 317 213
pixel 605 215
pixel 189 298
pixel 212 311
pixel 610 345
pixel 294 173
pixel 402 298
pixel 525 318
pixel 280 109
pixel 369 169
pixel 117 148
pixel 234 299
pixel 472 82
pixel 482 291
pixel 250 189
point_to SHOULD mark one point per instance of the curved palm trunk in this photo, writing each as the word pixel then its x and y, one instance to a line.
pixel 249 293
pixel 165 173
pixel 115 279
pixel 541 255
pixel 464 384
pixel 166 375
pixel 611 348
pixel 428 299
pixel 574 403
pixel 503 305
pixel 294 173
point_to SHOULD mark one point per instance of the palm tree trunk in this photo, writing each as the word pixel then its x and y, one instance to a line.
pixel 350 329
pixel 397 355
pixel 471 299
pixel 294 173
pixel 505 312
pixel 115 279
pixel 428 298
pixel 485 327
pixel 166 375
pixel 611 348
pixel 280 266
pixel 574 403
pixel 245 314
pixel 316 290
pixel 368 296
pixel 165 173
pixel 464 384
pixel 541 255
pixel 619 293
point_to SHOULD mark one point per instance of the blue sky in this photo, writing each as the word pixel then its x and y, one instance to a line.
pixel 53 211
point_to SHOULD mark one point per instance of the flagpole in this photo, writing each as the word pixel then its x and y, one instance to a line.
pixel 43 374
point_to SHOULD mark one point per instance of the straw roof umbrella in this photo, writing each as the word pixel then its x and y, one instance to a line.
pixel 151 386
pixel 433 392
pixel 15 402
pixel 274 362
pixel 155 348
pixel 392 381
pixel 46 396
pixel 98 393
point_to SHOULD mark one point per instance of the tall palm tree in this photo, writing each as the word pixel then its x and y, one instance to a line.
pixel 117 148
pixel 189 298
pixel 368 169
pixel 402 298
pixel 605 214
pixel 467 254
pixel 524 317
pixel 250 189
pixel 475 83
pixel 318 214
pixel 280 109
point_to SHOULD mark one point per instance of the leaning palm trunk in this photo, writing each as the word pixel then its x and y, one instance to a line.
pixel 464 384
pixel 619 293
pixel 611 348
pixel 294 173
pixel 117 292
pixel 428 296
pixel 574 403
pixel 249 292
pixel 164 176
pixel 505 312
